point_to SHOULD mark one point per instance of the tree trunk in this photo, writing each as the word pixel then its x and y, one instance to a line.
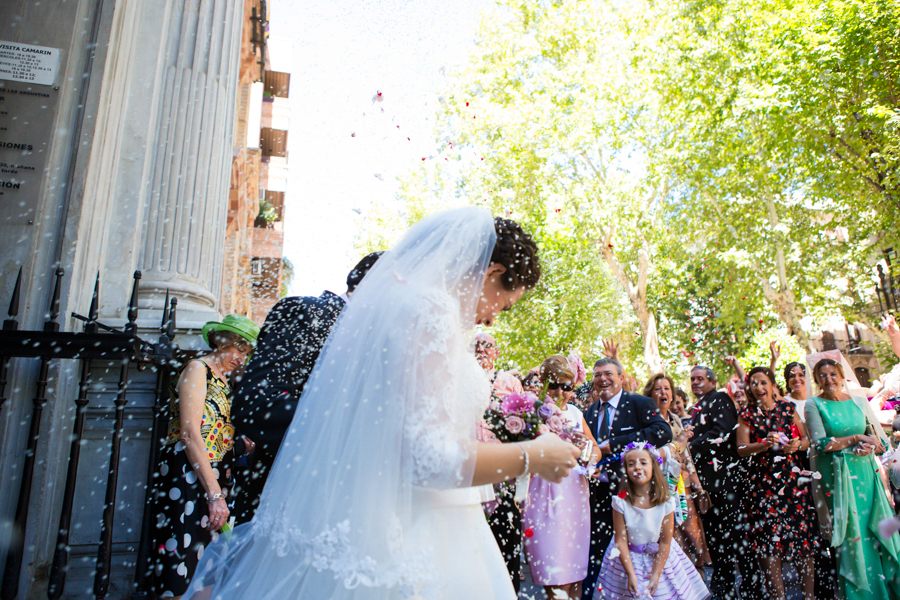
pixel 637 295
pixel 783 299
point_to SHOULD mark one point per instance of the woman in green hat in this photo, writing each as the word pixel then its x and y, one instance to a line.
pixel 194 469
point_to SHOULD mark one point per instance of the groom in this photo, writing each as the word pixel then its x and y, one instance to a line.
pixel 616 418
pixel 266 398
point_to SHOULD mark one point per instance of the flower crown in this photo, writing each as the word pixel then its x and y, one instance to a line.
pixel 645 446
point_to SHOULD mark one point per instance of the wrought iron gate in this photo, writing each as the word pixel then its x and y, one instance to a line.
pixel 95 343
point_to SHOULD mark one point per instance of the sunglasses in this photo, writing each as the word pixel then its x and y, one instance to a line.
pixel 566 387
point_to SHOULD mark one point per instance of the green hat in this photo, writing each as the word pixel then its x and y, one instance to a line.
pixel 238 324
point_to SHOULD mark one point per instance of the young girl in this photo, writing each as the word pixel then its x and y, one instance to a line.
pixel 641 560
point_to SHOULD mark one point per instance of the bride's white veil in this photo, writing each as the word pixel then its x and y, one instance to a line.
pixel 380 417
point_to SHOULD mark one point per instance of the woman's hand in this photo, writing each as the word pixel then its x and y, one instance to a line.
pixel 792 446
pixel 684 436
pixel 871 440
pixel 218 514
pixel 772 439
pixel 863 449
pixel 774 352
pixel 551 458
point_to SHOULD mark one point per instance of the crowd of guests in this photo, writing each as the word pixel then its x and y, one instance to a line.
pixel 751 477
pixel 740 479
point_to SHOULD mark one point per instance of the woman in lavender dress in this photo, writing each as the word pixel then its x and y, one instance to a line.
pixel 556 520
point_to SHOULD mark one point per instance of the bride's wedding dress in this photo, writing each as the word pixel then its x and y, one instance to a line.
pixel 370 494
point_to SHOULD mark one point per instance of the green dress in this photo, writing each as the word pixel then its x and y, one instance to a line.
pixel 867 564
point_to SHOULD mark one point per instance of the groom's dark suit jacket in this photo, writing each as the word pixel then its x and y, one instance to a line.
pixel 266 397
pixel 636 420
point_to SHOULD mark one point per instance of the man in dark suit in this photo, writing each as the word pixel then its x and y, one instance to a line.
pixel 714 451
pixel 266 397
pixel 616 418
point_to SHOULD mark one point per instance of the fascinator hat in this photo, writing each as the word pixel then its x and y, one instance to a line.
pixel 238 324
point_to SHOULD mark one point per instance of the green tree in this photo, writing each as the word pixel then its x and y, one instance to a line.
pixel 666 151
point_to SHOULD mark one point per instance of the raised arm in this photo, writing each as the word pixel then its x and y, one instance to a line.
pixel 738 369
pixel 774 354
pixel 893 331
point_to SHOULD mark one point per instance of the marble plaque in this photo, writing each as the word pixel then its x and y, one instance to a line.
pixel 27 115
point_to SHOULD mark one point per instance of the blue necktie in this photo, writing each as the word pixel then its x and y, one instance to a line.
pixel 603 428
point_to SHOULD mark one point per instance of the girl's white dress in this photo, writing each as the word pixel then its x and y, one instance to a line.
pixel 679 579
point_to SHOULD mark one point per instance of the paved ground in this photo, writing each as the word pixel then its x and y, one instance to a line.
pixel 530 591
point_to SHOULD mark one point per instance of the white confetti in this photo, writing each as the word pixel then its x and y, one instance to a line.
pixel 888 527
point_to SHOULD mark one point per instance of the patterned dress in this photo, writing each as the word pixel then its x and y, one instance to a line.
pixel 180 537
pixel 781 515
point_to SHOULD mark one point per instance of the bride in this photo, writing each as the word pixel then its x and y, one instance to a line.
pixel 371 496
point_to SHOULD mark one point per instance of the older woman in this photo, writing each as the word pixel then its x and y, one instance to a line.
pixel 194 468
pixel 557 518
pixel 850 497
pixel 680 472
pixel 779 508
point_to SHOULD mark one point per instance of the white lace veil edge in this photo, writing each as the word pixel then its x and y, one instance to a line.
pixel 380 417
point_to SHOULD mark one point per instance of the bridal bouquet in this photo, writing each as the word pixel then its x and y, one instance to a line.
pixel 522 417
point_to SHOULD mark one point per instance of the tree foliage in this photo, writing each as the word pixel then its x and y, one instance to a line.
pixel 702 171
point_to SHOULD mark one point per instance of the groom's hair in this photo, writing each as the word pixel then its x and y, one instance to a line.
pixel 516 251
pixel 362 267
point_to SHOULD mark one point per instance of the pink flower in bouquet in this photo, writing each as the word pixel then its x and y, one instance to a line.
pixel 555 423
pixel 576 365
pixel 517 404
pixel 543 429
pixel 515 424
pixel 495 405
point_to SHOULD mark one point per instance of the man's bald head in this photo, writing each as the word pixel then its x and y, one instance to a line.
pixel 485 348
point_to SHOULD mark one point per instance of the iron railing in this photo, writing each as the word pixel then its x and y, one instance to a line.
pixel 96 342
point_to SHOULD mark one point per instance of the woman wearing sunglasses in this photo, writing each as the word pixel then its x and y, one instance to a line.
pixel 557 519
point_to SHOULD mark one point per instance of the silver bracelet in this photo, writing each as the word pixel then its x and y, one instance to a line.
pixel 525 472
pixel 214 497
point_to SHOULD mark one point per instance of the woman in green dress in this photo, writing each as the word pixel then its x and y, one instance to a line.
pixel 850 497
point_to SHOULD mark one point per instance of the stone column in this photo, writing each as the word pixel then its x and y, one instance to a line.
pixel 186 207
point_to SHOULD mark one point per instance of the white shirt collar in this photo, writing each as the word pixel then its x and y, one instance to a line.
pixel 614 401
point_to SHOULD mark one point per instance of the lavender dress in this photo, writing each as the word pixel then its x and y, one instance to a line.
pixel 679 579
pixel 559 516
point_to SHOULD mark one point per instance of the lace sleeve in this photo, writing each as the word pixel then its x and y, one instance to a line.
pixel 439 431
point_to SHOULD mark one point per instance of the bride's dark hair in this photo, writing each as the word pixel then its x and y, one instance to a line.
pixel 516 251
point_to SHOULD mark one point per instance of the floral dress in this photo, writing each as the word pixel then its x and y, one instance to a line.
pixel 179 505
pixel 781 515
